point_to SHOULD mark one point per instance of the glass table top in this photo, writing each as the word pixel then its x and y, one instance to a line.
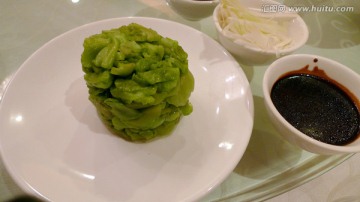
pixel 270 165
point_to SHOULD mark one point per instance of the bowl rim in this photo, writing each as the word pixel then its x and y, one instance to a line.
pixel 326 148
pixel 286 51
pixel 194 2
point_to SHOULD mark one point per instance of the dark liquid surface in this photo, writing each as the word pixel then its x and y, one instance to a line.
pixel 317 107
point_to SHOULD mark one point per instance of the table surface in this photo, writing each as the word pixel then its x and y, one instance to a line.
pixel 27 25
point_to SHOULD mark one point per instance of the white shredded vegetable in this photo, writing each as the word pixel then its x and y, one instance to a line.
pixel 240 23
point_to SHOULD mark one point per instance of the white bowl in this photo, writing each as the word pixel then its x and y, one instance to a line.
pixel 252 55
pixel 193 9
pixel 336 71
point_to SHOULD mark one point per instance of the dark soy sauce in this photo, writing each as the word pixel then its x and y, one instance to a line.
pixel 317 105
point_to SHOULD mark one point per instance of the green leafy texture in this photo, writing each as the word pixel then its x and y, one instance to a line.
pixel 129 91
pixel 138 81
pixel 92 46
pixel 123 69
pixel 183 90
pixel 101 80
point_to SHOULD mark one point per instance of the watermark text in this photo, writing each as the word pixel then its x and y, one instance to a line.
pixel 275 8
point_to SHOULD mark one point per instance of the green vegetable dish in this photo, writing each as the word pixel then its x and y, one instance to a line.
pixel 138 81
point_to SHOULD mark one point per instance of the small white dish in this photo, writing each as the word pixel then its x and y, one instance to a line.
pixel 54 145
pixel 336 71
pixel 253 55
pixel 193 9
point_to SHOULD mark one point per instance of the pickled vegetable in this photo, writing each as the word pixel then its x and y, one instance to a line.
pixel 253 28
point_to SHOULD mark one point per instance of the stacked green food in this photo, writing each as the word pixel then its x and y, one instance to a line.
pixel 138 81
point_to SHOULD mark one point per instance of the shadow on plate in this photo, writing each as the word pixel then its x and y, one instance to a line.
pixel 267 152
pixel 81 107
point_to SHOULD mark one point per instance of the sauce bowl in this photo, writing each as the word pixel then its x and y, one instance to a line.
pixel 339 74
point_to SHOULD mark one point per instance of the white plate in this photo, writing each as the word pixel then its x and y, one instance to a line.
pixel 54 145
